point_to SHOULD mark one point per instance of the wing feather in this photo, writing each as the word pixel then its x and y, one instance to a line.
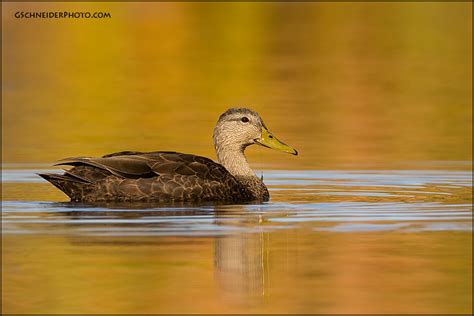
pixel 135 165
pixel 134 176
pixel 122 166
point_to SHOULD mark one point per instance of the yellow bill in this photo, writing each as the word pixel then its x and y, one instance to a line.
pixel 270 141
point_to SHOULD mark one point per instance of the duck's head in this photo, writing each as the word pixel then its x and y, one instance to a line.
pixel 238 128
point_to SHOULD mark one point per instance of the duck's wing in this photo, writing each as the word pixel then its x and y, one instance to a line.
pixel 135 165
pixel 137 176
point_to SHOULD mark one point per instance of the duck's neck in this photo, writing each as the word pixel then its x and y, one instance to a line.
pixel 233 159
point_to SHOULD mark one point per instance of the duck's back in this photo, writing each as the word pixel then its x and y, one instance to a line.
pixel 154 176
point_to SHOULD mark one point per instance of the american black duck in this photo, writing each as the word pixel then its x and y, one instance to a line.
pixel 171 176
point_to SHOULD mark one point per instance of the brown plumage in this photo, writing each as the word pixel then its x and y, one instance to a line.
pixel 154 176
pixel 170 176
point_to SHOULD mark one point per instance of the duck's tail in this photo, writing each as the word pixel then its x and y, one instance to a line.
pixel 71 185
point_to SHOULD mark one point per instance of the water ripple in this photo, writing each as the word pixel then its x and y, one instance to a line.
pixel 323 201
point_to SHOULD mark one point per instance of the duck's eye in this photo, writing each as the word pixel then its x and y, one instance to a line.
pixel 245 119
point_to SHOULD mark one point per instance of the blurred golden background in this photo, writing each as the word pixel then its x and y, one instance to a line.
pixel 344 83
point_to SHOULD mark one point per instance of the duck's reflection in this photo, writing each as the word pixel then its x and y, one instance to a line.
pixel 241 262
pixel 240 255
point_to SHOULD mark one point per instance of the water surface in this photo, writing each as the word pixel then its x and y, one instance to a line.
pixel 328 241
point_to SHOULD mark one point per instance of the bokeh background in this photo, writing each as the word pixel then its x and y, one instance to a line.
pixel 369 85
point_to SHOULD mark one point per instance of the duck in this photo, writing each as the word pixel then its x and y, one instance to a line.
pixel 168 176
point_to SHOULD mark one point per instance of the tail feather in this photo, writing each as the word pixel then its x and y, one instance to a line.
pixel 77 177
pixel 69 184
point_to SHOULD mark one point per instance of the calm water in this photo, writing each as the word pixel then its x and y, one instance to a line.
pixel 329 241
pixel 373 216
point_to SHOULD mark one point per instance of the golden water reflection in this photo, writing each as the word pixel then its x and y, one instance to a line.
pixel 294 271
